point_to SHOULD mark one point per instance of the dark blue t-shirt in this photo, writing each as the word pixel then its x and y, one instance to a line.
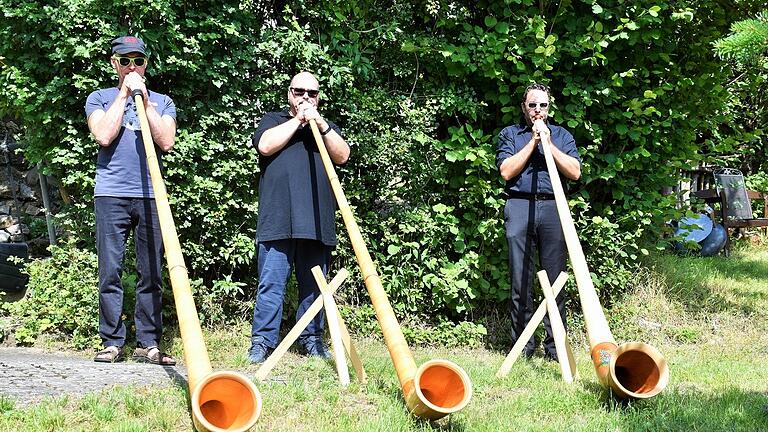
pixel 534 177
pixel 121 168
pixel 295 196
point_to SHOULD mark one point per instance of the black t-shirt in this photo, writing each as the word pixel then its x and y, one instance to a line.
pixel 295 196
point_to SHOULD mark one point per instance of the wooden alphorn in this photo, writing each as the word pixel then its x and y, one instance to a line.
pixel 438 387
pixel 632 370
pixel 223 400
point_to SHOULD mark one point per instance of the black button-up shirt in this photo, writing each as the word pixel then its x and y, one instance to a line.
pixel 534 177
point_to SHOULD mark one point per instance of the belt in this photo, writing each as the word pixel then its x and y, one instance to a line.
pixel 529 196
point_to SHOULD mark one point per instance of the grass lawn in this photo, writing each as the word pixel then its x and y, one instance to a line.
pixel 708 316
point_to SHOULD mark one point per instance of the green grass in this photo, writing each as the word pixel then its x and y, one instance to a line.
pixel 708 316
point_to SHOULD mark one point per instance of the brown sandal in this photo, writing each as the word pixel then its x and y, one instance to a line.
pixel 110 354
pixel 154 356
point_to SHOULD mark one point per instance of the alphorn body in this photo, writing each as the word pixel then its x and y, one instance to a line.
pixel 632 370
pixel 223 400
pixel 438 387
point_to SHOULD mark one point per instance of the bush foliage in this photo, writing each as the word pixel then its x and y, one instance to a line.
pixel 421 90
pixel 61 299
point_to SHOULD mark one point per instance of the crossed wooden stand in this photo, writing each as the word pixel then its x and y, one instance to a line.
pixel 547 306
pixel 336 327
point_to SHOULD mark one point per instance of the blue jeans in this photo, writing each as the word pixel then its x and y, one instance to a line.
pixel 275 262
pixel 533 227
pixel 115 219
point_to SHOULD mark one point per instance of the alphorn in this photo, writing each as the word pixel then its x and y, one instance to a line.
pixel 220 401
pixel 438 387
pixel 632 370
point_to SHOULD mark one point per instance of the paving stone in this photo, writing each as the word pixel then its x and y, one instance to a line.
pixel 28 375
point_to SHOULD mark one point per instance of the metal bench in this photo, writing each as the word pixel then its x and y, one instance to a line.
pixel 735 202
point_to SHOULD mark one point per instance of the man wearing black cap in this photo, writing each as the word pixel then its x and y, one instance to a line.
pixel 124 202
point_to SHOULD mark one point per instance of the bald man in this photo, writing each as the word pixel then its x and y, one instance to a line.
pixel 296 226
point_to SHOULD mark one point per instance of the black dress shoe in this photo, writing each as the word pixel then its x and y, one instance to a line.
pixel 551 356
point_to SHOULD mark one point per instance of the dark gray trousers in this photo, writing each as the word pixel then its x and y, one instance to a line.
pixel 532 228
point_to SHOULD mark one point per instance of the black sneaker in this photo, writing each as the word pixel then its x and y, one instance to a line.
pixel 315 348
pixel 258 353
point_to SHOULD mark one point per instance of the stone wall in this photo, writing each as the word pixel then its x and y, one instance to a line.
pixel 22 219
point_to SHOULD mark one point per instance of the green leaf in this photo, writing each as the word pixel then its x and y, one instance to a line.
pixel 490 21
pixel 597 9
pixel 393 250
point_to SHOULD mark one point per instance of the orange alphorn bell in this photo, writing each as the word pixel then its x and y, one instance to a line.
pixel 438 387
pixel 220 401
pixel 632 370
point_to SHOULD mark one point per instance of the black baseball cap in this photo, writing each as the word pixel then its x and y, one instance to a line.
pixel 128 44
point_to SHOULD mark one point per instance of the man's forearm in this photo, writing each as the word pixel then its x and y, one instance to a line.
pixel 163 129
pixel 106 127
pixel 274 139
pixel 338 149
pixel 568 165
pixel 514 164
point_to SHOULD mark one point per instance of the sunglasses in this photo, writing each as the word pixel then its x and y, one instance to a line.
pixel 542 105
pixel 136 61
pixel 299 92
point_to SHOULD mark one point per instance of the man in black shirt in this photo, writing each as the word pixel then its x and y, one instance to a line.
pixel 296 225
pixel 530 213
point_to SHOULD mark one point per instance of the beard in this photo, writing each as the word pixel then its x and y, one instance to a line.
pixel 532 118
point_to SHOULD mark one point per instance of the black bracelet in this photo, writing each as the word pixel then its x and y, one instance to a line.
pixel 325 132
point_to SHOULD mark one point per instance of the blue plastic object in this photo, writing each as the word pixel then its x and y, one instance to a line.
pixel 695 228
pixel 714 242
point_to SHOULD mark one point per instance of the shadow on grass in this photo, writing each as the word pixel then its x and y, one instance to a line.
pixel 691 409
pixel 689 280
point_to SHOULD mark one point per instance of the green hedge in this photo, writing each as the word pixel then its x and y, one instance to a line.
pixel 422 90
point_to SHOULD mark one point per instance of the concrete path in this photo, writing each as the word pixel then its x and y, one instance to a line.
pixel 27 374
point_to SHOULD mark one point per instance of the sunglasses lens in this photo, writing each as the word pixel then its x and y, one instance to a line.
pixel 125 61
pixel 299 92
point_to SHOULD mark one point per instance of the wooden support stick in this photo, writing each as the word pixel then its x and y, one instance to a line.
pixel 517 349
pixel 301 324
pixel 332 318
pixel 556 323
pixel 571 360
pixel 351 351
